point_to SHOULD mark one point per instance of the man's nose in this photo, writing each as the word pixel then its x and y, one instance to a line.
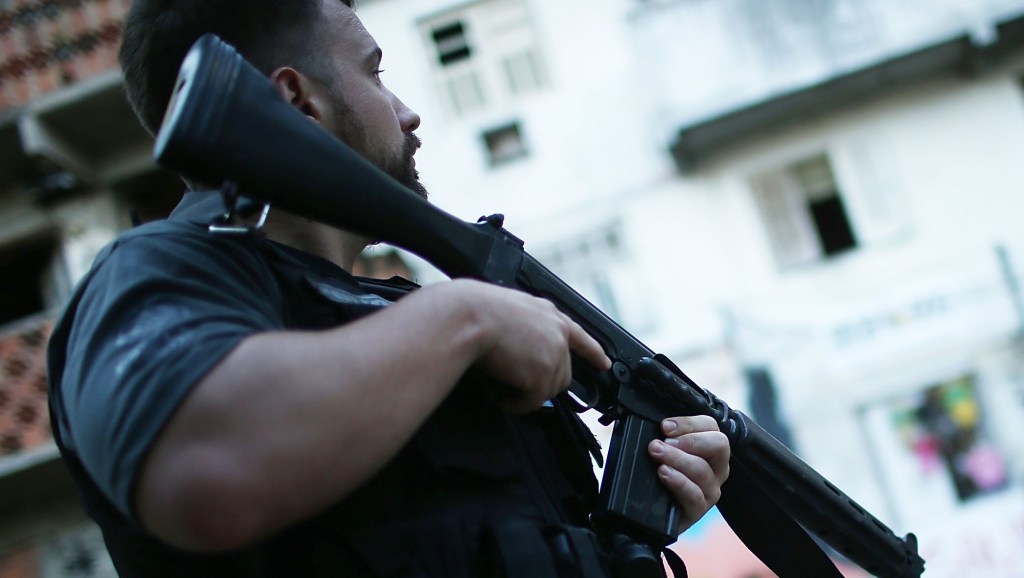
pixel 407 118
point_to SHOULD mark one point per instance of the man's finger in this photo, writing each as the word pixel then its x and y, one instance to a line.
pixel 682 425
pixel 582 344
pixel 692 466
pixel 710 446
pixel 688 494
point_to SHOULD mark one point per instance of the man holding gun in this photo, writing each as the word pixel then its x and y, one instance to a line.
pixel 240 405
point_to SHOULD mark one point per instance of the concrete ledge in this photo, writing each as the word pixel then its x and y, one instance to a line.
pixel 698 142
pixel 30 478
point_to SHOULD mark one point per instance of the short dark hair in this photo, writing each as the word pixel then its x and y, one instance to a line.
pixel 158 33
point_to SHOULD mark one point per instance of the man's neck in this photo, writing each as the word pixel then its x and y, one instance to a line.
pixel 335 245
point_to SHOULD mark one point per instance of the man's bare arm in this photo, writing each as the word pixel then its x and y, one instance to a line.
pixel 250 450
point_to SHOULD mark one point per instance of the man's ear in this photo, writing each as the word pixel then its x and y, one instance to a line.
pixel 298 90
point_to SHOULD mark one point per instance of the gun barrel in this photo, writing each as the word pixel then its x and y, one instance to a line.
pixel 825 510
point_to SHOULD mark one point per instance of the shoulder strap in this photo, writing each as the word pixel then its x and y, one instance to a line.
pixel 521 550
pixel 768 531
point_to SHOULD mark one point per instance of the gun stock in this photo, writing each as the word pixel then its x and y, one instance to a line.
pixel 222 105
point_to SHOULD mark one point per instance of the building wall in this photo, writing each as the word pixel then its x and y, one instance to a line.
pixel 926 303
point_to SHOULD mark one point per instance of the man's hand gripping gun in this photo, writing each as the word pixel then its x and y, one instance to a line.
pixel 226 123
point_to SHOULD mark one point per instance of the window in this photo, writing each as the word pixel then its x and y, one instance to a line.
pixel 786 36
pixel 933 448
pixel 583 263
pixel 804 212
pixel 451 44
pixel 28 286
pixel 504 144
pixel 464 92
pixel 818 188
pixel 523 71
pixel 484 54
pixel 457 64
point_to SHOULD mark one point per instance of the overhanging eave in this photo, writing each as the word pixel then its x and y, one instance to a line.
pixel 698 142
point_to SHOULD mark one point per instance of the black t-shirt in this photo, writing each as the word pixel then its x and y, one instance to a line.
pixel 165 302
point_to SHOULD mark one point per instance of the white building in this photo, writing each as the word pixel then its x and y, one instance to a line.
pixel 807 204
pixel 813 202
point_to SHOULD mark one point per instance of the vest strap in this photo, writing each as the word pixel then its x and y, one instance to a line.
pixel 769 531
pixel 520 550
pixel 675 563
pixel 585 551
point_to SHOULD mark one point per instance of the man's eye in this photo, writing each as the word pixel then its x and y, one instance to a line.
pixel 377 73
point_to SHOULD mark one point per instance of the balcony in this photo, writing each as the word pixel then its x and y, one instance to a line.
pixel 65 126
pixel 24 424
pixel 29 466
pixel 722 70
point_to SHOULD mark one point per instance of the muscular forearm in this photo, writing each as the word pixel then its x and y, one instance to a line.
pixel 292 421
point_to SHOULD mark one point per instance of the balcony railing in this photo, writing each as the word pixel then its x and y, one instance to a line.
pixel 24 419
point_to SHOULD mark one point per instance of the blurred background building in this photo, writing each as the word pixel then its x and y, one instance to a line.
pixel 809 205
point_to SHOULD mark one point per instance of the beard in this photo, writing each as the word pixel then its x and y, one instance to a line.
pixel 397 164
pixel 401 167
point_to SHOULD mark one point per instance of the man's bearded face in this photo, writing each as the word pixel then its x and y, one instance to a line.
pixel 395 160
pixel 402 167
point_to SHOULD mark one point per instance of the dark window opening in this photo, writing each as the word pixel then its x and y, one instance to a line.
pixel 504 144
pixel 832 224
pixel 25 265
pixel 452 44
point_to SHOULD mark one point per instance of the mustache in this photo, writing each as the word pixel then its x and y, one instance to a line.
pixel 411 176
pixel 412 143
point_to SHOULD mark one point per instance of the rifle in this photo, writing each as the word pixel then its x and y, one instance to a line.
pixel 226 123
